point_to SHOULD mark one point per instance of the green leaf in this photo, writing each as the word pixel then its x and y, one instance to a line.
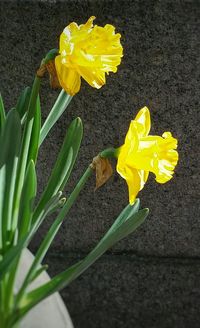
pixel 128 212
pixel 39 271
pixel 10 146
pixel 2 113
pixel 52 204
pixel 115 234
pixel 12 253
pixel 53 231
pixel 130 223
pixel 22 164
pixel 34 142
pixel 27 200
pixel 59 107
pixel 10 257
pixel 23 102
pixel 64 164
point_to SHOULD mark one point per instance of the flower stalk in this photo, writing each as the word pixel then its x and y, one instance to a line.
pixel 110 153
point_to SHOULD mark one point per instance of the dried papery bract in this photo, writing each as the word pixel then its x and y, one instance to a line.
pixel 103 170
pixel 54 81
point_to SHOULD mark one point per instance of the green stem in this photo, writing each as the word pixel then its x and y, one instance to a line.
pixel 59 107
pixel 4 306
pixel 9 297
pixel 53 231
pixel 50 56
pixel 110 153
pixel 2 297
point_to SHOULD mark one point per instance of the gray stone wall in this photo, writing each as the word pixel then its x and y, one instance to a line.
pixel 152 278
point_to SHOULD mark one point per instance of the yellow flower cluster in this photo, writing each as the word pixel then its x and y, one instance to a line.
pixel 89 52
pixel 143 153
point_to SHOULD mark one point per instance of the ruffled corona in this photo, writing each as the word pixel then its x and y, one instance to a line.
pixel 89 52
pixel 143 153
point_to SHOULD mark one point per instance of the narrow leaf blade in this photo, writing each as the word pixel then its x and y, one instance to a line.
pixel 35 134
pixel 10 257
pixel 59 107
pixel 2 113
pixel 23 102
pixel 27 199
pixel 64 164
pixel 10 145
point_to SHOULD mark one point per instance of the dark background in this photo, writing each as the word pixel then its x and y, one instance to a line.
pixel 152 278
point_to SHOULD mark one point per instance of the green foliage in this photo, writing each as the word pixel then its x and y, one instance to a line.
pixel 38 272
pixel 27 200
pixel 128 221
pixel 64 164
pixel 24 152
pixel 10 146
pixel 59 107
pixel 8 259
pixel 35 134
pixel 2 113
pixel 21 136
pixel 23 102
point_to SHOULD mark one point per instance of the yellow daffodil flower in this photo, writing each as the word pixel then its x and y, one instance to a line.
pixel 143 153
pixel 89 52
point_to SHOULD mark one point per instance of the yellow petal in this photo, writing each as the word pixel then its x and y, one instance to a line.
pixel 167 158
pixel 164 172
pixel 143 118
pixel 131 140
pixel 69 79
pixel 89 24
pixel 95 77
pixel 67 34
pixel 157 155
pixel 135 180
pixel 128 151
pixel 91 51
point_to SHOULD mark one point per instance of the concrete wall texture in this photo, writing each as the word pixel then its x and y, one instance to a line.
pixel 152 278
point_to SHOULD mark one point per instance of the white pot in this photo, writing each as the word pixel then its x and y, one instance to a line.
pixel 51 312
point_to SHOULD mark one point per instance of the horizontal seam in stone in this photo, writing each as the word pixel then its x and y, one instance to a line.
pixel 120 256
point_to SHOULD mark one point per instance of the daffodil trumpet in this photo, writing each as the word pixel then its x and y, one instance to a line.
pixel 142 153
pixel 87 52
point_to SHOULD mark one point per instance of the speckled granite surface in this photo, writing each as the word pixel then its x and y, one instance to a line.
pixel 160 69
